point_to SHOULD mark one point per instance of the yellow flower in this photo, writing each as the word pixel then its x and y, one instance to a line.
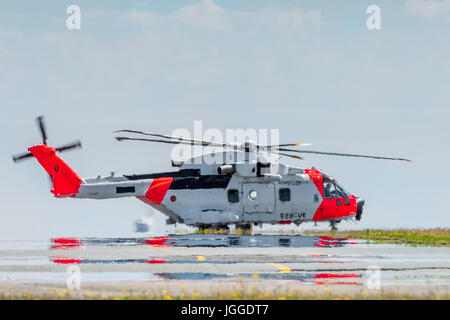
pixel 163 291
pixel 281 298
pixel 168 297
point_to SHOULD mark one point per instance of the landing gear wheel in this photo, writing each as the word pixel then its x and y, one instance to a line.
pixel 333 225
pixel 213 229
pixel 222 229
pixel 244 229
pixel 203 228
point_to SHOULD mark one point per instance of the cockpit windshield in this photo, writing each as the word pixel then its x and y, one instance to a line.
pixel 332 189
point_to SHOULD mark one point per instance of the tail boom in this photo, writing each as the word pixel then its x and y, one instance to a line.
pixel 66 183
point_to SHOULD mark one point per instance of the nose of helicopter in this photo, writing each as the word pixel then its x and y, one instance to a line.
pixel 359 206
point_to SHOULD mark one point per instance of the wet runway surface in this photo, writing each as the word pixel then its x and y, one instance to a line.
pixel 199 260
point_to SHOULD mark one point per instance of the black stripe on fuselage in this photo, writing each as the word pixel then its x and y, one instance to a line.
pixel 181 173
pixel 187 179
pixel 201 182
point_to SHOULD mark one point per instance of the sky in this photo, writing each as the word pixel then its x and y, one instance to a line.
pixel 311 69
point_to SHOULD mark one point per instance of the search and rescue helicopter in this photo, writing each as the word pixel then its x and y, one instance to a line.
pixel 247 191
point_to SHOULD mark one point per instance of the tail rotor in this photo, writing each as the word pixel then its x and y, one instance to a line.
pixel 42 128
pixel 41 124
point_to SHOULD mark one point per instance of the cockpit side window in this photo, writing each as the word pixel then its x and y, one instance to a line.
pixel 331 189
pixel 341 190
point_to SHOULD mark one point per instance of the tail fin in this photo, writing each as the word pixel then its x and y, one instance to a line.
pixel 66 182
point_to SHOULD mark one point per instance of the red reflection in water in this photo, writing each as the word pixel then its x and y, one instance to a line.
pixel 65 240
pixel 335 243
pixel 335 275
pixel 335 283
pixel 326 241
pixel 156 261
pixel 332 238
pixel 67 261
pixel 335 261
pixel 66 246
pixel 158 241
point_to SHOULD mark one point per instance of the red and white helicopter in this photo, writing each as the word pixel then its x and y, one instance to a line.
pixel 203 194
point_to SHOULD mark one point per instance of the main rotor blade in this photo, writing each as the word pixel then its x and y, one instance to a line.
pixel 153 134
pixel 276 146
pixel 41 124
pixel 188 141
pixel 343 154
pixel 158 140
pixel 292 156
pixel 294 144
pixel 211 143
pixel 73 145
pixel 197 142
pixel 22 156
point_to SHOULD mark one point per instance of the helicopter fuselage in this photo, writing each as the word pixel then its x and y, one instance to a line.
pixel 244 186
pixel 201 193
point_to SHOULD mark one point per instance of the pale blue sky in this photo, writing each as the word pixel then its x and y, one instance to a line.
pixel 308 68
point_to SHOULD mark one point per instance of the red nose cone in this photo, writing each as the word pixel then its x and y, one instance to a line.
pixel 336 208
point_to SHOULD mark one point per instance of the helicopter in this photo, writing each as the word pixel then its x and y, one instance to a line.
pixel 243 189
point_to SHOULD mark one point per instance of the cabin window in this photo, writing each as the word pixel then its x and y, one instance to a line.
pixel 252 195
pixel 233 195
pixel 125 190
pixel 285 194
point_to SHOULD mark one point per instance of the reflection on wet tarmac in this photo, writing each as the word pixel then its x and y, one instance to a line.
pixel 305 278
pixel 193 240
pixel 99 261
pixel 302 259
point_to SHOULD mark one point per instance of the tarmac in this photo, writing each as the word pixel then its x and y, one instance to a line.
pixel 187 264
